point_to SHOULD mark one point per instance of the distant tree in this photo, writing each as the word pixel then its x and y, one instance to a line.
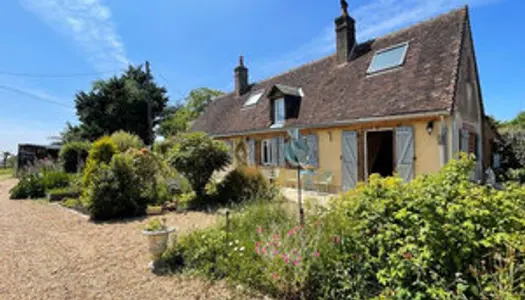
pixel 121 103
pixel 6 155
pixel 180 117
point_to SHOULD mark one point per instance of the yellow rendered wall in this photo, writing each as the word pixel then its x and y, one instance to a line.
pixel 427 149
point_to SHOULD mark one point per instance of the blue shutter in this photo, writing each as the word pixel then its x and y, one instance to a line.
pixel 313 157
pixel 251 152
pixel 405 152
pixel 349 160
pixel 274 150
pixel 280 151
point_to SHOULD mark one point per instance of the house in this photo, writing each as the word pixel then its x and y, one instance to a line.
pixel 406 102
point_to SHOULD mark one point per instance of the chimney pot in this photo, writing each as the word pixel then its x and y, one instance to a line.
pixel 345 34
pixel 241 78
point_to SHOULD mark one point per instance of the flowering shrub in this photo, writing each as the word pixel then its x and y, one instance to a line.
pixel 440 236
pixel 289 256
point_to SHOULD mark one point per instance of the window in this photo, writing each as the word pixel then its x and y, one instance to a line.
pixel 267 152
pixel 254 98
pixel 279 114
pixel 388 58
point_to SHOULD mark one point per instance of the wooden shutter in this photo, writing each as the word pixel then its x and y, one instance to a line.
pixel 274 149
pixel 405 152
pixel 349 160
pixel 280 151
pixel 444 143
pixel 251 152
pixel 463 140
pixel 314 150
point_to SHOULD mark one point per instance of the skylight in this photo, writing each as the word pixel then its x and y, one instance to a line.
pixel 388 58
pixel 254 98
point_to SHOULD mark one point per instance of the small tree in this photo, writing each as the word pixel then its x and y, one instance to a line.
pixel 6 155
pixel 197 156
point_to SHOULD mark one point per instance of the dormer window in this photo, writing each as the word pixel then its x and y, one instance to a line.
pixel 388 58
pixel 279 112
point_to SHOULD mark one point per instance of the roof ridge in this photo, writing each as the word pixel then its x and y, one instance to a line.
pixel 318 60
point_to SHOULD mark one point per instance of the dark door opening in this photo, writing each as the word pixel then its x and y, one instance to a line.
pixel 380 152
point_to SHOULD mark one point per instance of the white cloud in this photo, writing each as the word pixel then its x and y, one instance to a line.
pixel 373 19
pixel 89 24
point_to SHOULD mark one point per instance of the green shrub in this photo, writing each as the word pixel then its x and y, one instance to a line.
pixel 440 236
pixel 101 153
pixel 125 141
pixel 59 194
pixel 197 156
pixel 115 191
pixel 55 179
pixel 214 253
pixel 73 155
pixel 30 186
pixel 152 172
pixel 242 184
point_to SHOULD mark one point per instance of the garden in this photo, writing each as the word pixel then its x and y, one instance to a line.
pixel 440 236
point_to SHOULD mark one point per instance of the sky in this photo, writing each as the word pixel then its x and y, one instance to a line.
pixel 51 49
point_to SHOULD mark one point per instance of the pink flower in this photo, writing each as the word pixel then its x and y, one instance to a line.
pixel 294 251
pixel 296 262
pixel 144 151
pixel 275 276
pixel 408 255
pixel 291 232
pixel 259 230
pixel 286 259
pixel 264 250
pixel 336 239
pixel 275 252
pixel 316 254
pixel 275 237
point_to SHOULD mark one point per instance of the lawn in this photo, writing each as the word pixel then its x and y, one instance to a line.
pixel 6 173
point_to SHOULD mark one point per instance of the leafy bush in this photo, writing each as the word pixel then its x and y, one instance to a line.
pixel 197 156
pixel 101 153
pixel 59 194
pixel 440 236
pixel 152 172
pixel 55 179
pixel 217 254
pixel 125 141
pixel 115 191
pixel 30 186
pixel 73 155
pixel 241 184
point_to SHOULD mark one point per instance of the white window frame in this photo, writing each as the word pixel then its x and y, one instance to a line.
pixel 276 110
pixel 271 160
pixel 379 52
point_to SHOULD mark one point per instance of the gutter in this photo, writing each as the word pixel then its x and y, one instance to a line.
pixel 432 114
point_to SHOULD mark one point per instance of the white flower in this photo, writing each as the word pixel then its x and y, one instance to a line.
pixel 231 244
pixel 235 249
pixel 241 249
pixel 236 241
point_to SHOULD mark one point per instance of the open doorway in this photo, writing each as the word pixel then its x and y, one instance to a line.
pixel 380 152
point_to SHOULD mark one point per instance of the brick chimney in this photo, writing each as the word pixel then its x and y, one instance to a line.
pixel 345 34
pixel 241 78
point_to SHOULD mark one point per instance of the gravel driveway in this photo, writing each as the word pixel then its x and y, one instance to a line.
pixel 48 252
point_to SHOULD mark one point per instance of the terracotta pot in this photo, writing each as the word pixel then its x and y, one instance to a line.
pixel 158 242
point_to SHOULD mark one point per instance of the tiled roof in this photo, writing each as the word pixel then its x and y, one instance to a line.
pixel 335 93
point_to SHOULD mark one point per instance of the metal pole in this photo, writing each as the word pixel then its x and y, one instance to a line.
pixel 301 211
pixel 149 110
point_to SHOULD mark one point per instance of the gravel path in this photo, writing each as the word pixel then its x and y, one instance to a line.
pixel 47 252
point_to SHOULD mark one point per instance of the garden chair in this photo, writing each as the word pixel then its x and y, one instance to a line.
pixel 326 180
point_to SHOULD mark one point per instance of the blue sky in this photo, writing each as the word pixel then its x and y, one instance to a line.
pixel 58 47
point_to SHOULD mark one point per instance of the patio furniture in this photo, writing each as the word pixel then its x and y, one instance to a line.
pixel 326 180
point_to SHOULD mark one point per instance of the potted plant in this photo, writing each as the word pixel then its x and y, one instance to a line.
pixel 158 235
